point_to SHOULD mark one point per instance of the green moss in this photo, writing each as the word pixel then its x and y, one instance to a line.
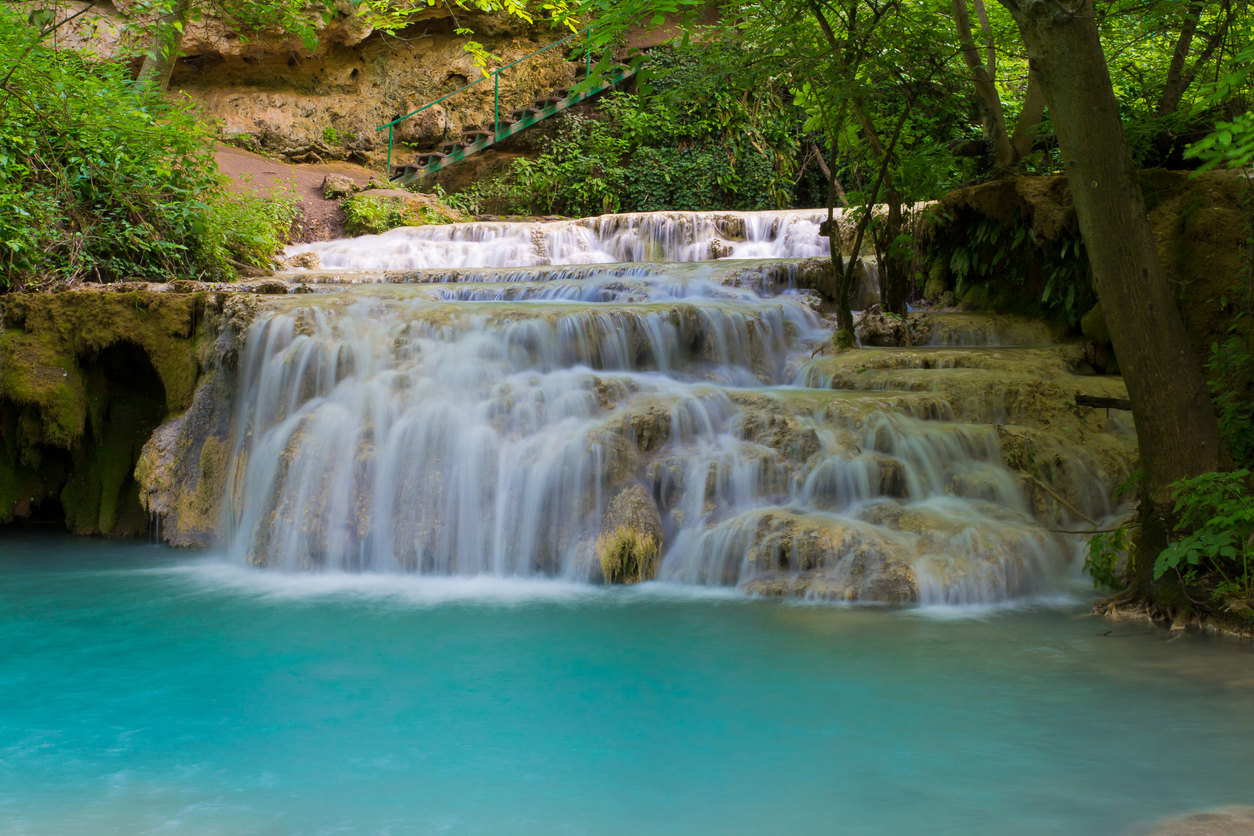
pixel 61 326
pixel 976 298
pixel 937 279
pixel 627 555
pixel 934 289
pixel 843 340
pixel 1093 324
pixel 87 377
pixel 38 373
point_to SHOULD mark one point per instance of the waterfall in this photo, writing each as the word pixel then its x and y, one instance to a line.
pixel 491 426
pixel 638 237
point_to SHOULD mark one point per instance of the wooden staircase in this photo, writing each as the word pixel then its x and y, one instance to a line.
pixel 476 138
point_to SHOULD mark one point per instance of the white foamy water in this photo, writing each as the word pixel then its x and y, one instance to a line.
pixel 474 432
pixel 641 237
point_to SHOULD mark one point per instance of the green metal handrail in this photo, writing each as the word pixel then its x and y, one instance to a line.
pixel 495 75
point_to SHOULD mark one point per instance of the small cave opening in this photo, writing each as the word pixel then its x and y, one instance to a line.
pixel 91 487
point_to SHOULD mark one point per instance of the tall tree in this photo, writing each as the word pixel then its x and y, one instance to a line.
pixel 1009 149
pixel 1177 433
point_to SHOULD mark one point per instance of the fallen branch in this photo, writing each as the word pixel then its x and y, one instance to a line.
pixel 1102 403
pixel 1088 531
pixel 1065 503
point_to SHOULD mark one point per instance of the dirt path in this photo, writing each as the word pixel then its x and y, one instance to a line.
pixel 324 219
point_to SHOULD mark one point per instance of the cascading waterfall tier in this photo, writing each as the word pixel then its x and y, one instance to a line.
pixel 675 421
pixel 638 237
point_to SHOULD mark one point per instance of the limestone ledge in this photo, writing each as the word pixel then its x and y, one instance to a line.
pixel 117 403
pixel 87 376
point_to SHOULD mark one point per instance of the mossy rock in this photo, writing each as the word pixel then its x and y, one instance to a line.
pixel 87 376
pixel 975 298
pixel 630 544
pixel 1093 324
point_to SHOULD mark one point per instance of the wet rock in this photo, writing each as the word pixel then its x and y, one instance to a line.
pixel 265 287
pixel 878 329
pixel 891 475
pixel 303 261
pixel 182 470
pixel 768 424
pixel 631 537
pixel 1226 821
pixel 826 556
pixel 86 376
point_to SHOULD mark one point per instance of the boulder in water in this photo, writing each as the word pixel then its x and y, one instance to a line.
pixel 631 538
pixel 303 261
pixel 1226 821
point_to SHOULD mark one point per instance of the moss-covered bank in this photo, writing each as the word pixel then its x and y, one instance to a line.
pixel 85 378
pixel 1013 245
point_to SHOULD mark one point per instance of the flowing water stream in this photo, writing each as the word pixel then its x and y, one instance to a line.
pixel 486 419
pixel 402 631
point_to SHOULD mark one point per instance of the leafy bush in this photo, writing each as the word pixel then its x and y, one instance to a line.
pixel 1216 514
pixel 100 180
pixel 697 138
pixel 367 214
pixel 982 253
pixel 247 228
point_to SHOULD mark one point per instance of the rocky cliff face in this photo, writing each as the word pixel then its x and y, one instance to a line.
pixel 116 404
pixel 268 92
pixel 84 380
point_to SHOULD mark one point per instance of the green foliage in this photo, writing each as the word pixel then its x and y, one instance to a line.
pixel 1007 258
pixel 1106 550
pixel 370 217
pixel 465 202
pixel 1231 379
pixel 1231 144
pixel 1215 513
pixel 331 136
pixel 366 214
pixel 700 139
pixel 1103 553
pixel 247 228
pixel 99 180
pixel 393 15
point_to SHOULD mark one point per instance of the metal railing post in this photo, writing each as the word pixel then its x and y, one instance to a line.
pixel 496 88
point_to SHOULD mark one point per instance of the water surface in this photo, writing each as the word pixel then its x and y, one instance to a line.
pixel 143 690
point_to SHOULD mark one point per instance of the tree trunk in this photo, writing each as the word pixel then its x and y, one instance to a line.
pixel 893 272
pixel 1177 433
pixel 839 282
pixel 990 45
pixel 159 62
pixel 1029 118
pixel 1174 89
pixel 983 84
